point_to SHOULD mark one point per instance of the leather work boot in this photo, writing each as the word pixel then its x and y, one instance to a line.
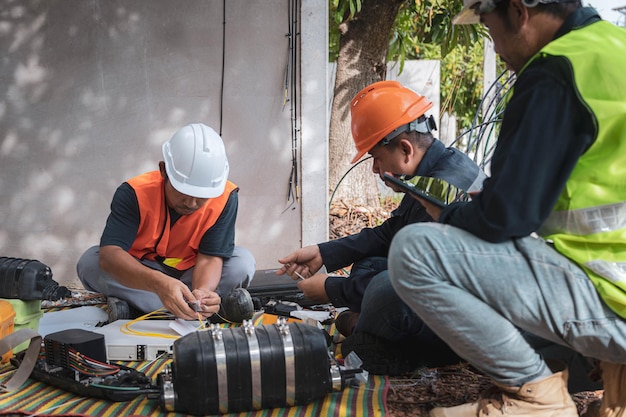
pixel 548 398
pixel 613 403
pixel 346 322
pixel 118 309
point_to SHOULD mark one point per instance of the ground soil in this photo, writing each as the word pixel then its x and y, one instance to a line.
pixel 414 395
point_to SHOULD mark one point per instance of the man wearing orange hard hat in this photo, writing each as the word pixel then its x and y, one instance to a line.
pixel 389 122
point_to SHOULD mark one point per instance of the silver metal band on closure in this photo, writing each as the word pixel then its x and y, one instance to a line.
pixel 255 364
pixel 290 362
pixel 222 372
pixel 613 271
pixel 586 221
pixel 168 393
pixel 335 376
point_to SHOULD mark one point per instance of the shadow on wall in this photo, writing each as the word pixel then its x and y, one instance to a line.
pixel 90 90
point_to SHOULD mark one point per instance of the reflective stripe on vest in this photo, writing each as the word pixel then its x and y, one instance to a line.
pixel 586 221
pixel 613 271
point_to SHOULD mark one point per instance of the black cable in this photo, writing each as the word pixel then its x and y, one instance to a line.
pixel 480 108
pixel 294 89
pixel 344 176
pixel 492 116
pixel 291 96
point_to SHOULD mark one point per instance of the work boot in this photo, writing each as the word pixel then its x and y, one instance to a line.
pixel 236 307
pixel 547 397
pixel 613 403
pixel 346 322
pixel 118 309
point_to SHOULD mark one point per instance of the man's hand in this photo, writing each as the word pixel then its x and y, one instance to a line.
pixel 313 288
pixel 209 301
pixel 204 280
pixel 306 262
pixel 174 295
pixel 433 210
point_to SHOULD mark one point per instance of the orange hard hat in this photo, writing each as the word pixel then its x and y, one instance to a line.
pixel 379 109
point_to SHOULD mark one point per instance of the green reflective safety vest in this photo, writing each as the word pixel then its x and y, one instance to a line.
pixel 588 222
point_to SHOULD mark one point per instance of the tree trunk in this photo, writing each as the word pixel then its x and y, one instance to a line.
pixel 363 47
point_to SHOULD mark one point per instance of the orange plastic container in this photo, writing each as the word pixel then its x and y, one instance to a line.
pixel 7 317
pixel 27 315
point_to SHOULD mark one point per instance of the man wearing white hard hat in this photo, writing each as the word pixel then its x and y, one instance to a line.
pixel 169 240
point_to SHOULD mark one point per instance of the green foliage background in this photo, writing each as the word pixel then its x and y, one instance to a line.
pixel 424 30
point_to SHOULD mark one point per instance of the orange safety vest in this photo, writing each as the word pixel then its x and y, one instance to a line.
pixel 177 244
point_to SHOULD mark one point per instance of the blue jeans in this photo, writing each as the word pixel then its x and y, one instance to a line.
pixel 479 297
pixel 382 312
pixel 238 270
pixel 385 315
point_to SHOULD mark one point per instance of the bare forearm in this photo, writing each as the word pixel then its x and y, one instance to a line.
pixel 207 273
pixel 128 271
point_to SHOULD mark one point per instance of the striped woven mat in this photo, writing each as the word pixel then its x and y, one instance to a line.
pixel 38 399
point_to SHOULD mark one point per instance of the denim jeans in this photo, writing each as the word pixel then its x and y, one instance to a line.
pixel 479 297
pixel 238 270
pixel 349 291
pixel 385 315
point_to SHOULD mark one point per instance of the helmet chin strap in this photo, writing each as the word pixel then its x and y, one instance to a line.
pixel 422 124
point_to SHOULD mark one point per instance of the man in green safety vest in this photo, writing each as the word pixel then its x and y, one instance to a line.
pixel 542 248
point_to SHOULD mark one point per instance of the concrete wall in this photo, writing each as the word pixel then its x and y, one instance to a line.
pixel 91 89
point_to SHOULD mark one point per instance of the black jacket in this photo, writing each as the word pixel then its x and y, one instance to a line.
pixel 545 130
pixel 440 162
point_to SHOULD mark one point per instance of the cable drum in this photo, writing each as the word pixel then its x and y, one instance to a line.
pixel 226 370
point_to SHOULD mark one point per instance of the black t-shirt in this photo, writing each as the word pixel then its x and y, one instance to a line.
pixel 123 223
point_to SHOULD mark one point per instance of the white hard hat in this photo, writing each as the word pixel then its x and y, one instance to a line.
pixel 195 161
pixel 468 15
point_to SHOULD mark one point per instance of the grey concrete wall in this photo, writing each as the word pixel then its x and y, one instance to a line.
pixel 315 121
pixel 91 89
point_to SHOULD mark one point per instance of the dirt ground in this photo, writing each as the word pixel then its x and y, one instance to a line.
pixel 414 395
pixel 453 385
